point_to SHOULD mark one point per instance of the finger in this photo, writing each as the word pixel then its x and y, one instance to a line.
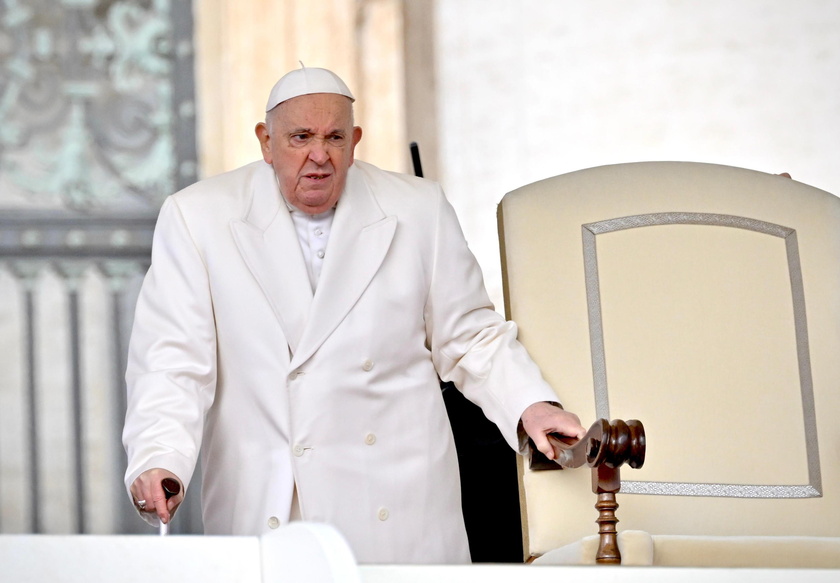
pixel 573 427
pixel 173 491
pixel 160 502
pixel 136 491
pixel 542 444
pixel 141 502
pixel 173 502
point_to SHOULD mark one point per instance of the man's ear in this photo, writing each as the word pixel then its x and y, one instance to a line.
pixel 357 137
pixel 261 130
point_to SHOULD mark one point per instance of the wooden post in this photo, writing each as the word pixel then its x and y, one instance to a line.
pixel 606 482
pixel 608 553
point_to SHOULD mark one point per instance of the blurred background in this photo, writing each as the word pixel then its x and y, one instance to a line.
pixel 108 106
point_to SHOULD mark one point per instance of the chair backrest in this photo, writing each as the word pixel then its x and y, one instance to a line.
pixel 703 300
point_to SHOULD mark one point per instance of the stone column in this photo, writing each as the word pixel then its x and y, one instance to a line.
pixel 244 47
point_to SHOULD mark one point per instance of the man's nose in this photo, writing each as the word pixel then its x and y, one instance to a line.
pixel 318 152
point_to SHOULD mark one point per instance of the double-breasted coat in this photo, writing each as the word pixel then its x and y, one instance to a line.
pixel 233 358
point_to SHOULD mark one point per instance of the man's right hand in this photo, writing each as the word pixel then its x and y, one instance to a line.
pixel 147 487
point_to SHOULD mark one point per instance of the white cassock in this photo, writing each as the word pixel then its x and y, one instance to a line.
pixel 335 392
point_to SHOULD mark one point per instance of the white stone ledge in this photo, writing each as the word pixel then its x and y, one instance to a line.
pixel 304 553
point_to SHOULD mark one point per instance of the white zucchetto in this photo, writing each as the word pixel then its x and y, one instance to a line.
pixel 305 81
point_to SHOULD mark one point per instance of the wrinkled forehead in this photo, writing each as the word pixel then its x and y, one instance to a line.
pixel 319 111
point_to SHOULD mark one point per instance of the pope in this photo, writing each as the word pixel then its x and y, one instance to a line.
pixel 292 331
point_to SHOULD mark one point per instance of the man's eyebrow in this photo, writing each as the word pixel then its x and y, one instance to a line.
pixel 339 131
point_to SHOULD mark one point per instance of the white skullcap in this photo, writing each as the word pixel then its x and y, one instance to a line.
pixel 305 81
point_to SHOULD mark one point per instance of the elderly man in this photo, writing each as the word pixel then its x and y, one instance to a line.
pixel 292 327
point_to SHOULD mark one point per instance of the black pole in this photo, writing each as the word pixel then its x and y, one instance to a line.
pixel 415 159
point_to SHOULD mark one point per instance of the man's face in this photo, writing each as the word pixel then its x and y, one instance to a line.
pixel 309 141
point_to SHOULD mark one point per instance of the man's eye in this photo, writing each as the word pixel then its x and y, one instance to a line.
pixel 300 138
pixel 336 138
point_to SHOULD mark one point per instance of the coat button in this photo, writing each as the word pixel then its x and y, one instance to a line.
pixel 273 522
pixel 367 365
pixel 370 439
pixel 298 450
pixel 295 374
pixel 383 514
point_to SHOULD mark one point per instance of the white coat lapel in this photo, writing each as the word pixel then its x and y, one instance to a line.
pixel 360 237
pixel 268 243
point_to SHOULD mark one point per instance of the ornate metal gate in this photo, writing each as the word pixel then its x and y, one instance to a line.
pixel 97 127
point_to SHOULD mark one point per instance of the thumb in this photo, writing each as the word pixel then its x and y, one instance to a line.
pixel 543 445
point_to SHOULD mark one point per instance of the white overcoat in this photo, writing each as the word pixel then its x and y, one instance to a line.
pixel 233 356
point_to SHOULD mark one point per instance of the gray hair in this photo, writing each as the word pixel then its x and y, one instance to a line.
pixel 270 114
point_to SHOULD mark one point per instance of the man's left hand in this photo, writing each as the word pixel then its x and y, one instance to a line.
pixel 542 418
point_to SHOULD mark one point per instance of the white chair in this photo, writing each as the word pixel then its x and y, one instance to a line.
pixel 703 300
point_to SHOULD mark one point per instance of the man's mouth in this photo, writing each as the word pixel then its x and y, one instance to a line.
pixel 317 176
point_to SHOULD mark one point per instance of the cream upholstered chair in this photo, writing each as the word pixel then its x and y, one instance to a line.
pixel 703 300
